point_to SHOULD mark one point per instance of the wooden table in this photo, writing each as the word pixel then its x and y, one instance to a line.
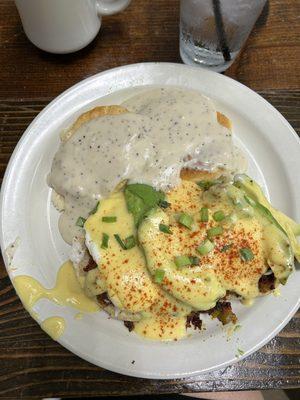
pixel 34 366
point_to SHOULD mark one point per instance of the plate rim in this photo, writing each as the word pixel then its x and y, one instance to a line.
pixel 60 98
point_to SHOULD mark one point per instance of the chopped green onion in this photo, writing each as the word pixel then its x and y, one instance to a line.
pixel 186 220
pixel 182 261
pixel 109 219
pixel 165 229
pixel 129 242
pixel 95 209
pixel 205 185
pixel 215 231
pixel 163 204
pixel 226 247
pixel 241 352
pixel 246 254
pixel 105 238
pixel 204 214
pixel 159 275
pixel 80 222
pixel 237 327
pixel 120 241
pixel 126 244
pixel 194 260
pixel 205 247
pixel 218 216
pixel 230 219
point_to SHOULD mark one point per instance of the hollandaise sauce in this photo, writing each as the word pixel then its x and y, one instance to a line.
pixel 54 327
pixel 182 260
pixel 66 292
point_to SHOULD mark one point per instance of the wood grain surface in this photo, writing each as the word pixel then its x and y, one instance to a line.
pixel 146 31
pixel 33 365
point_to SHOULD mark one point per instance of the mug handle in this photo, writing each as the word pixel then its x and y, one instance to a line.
pixel 110 7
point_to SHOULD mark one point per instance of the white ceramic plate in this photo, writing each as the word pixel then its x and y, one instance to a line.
pixel 273 152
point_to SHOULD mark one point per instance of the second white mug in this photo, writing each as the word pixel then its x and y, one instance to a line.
pixel 65 26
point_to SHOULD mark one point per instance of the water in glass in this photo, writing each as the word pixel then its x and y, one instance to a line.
pixel 212 32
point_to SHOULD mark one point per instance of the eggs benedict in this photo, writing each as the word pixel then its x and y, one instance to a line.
pixel 161 258
pixel 163 222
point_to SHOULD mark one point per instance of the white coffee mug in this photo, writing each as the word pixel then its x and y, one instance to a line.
pixel 65 26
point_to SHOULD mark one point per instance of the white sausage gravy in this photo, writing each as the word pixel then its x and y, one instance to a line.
pixel 165 130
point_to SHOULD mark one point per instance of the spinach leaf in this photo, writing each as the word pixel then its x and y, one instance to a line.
pixel 140 198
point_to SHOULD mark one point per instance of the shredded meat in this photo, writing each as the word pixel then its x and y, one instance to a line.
pixel 91 265
pixel 223 312
pixel 103 299
pixel 193 319
pixel 129 325
pixel 266 283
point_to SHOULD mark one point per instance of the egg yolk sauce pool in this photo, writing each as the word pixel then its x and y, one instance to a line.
pixel 163 258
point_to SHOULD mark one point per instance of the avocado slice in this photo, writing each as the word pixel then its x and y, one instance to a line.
pixel 257 199
pixel 253 190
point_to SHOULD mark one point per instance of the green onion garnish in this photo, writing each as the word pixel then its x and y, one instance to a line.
pixel 129 242
pixel 205 247
pixel 120 241
pixel 205 185
pixel 194 260
pixel 109 219
pixel 204 214
pixel 126 244
pixel 163 204
pixel 246 254
pixel 186 220
pixel 215 231
pixel 226 247
pixel 218 216
pixel 95 209
pixel 80 222
pixel 182 261
pixel 105 238
pixel 237 327
pixel 231 219
pixel 159 275
pixel 240 352
pixel 165 229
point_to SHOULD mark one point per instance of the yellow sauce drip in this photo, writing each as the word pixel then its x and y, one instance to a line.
pixel 277 292
pixel 34 315
pixel 161 328
pixel 66 292
pixel 54 327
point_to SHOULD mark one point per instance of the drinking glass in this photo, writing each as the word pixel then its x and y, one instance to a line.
pixel 212 32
